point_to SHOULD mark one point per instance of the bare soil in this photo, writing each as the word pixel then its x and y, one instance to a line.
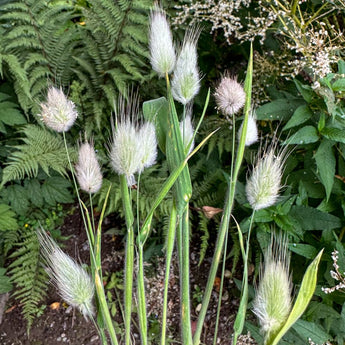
pixel 60 324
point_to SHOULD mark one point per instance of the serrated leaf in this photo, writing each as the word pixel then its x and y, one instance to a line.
pixel 279 109
pixel 310 330
pixel 55 189
pixel 17 196
pixel 7 218
pixel 34 192
pixel 334 134
pixel 303 298
pixel 311 218
pixel 301 115
pixel 325 162
pixel 306 135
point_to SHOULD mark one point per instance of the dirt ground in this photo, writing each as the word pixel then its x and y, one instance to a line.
pixel 60 324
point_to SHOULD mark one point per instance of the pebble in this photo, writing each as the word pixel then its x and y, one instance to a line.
pixel 94 338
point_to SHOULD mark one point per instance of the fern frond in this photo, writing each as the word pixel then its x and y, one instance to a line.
pixel 41 148
pixel 28 275
pixel 203 222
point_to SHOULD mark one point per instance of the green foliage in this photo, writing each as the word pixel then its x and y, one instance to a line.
pixel 41 149
pixel 28 275
pixel 114 54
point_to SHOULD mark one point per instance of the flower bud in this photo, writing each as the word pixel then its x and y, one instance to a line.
pixel 88 171
pixel 58 113
pixel 187 133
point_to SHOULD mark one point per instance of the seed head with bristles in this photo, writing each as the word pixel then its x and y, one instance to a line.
pixel 264 184
pixel 272 303
pixel 133 147
pixel 58 113
pixel 162 50
pixel 185 84
pixel 88 171
pixel 73 283
pixel 187 132
pixel 252 130
pixel 230 96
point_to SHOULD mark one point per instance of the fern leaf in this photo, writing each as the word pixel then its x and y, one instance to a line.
pixel 41 148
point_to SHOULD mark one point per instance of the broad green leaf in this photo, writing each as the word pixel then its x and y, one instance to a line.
pixel 313 219
pixel 279 109
pixel 341 67
pixel 303 298
pixel 305 90
pixel 305 135
pixel 334 134
pixel 339 85
pixel 18 198
pixel 311 330
pixel 34 192
pixel 55 189
pixel 7 218
pixel 156 110
pixel 301 115
pixel 325 162
pixel 305 250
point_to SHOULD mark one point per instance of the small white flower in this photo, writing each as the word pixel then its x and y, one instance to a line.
pixel 162 50
pixel 185 84
pixel 252 131
pixel 88 171
pixel 73 283
pixel 264 184
pixel 58 113
pixel 230 96
pixel 272 302
pixel 187 132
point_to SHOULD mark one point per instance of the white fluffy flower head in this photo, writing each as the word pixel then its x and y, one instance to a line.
pixel 73 283
pixel 185 84
pixel 272 303
pixel 88 171
pixel 187 132
pixel 133 147
pixel 230 96
pixel 264 183
pixel 252 130
pixel 58 113
pixel 162 50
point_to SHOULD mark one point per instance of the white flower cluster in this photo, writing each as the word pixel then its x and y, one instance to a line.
pixel 336 275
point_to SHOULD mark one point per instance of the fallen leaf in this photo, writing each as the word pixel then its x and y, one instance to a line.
pixel 210 211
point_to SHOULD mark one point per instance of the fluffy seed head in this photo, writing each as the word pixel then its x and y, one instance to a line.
pixel 73 283
pixel 252 131
pixel 185 84
pixel 88 171
pixel 133 148
pixel 187 132
pixel 147 145
pixel 230 96
pixel 162 50
pixel 264 183
pixel 58 113
pixel 272 303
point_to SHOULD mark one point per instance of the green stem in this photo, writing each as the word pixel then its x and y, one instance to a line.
pixel 229 201
pixel 169 252
pixel 141 298
pixel 129 262
pixel 183 248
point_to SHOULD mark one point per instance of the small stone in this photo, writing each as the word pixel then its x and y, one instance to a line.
pixel 94 338
pixel 198 308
